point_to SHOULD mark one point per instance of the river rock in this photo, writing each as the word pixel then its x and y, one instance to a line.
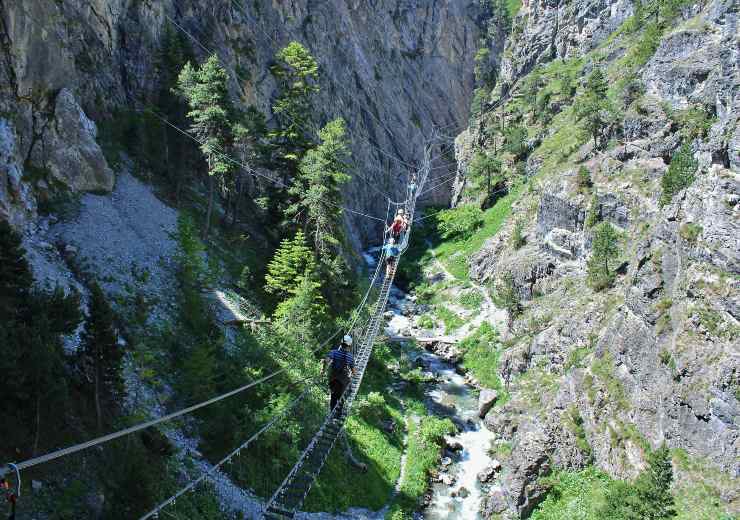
pixel 446 462
pixel 486 400
pixel 495 502
pixel 453 444
pixel 447 479
pixel 486 475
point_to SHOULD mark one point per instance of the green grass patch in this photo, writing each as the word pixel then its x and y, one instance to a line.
pixel 574 496
pixel 481 351
pixel 471 299
pixel 451 321
pixel 454 253
pixel 423 454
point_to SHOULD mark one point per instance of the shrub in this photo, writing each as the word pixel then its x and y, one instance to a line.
pixel 690 232
pixel 426 322
pixel 471 299
pixel 584 178
pixel 507 296
pixel 593 216
pixel 680 174
pixel 459 222
pixel 517 239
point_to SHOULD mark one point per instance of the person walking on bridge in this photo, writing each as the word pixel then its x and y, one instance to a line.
pixel 392 252
pixel 341 368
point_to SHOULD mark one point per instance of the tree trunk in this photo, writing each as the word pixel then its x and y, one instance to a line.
pixel 211 193
pixel 37 435
pixel 98 412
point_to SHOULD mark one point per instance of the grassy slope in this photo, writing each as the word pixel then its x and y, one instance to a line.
pixel 455 254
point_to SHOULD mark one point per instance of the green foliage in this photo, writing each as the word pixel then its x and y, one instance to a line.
pixel 593 215
pixel 645 47
pixel 425 322
pixel 593 107
pixel 507 297
pixel 471 299
pixel 604 369
pixel 31 354
pixel 486 169
pixel 323 170
pixel 515 141
pixel 604 249
pixel 693 122
pixel 480 99
pixel 517 239
pixel 100 356
pixel 455 252
pixel 484 72
pixel 293 261
pixel 15 274
pixel 584 178
pixel 422 455
pixel 451 320
pixel 297 73
pixel 481 351
pixel 591 495
pixel 205 90
pixel 680 174
pixel 574 422
pixel 649 498
pixel 459 222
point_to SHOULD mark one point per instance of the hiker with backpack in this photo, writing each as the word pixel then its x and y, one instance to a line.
pixel 399 225
pixel 341 365
pixel 392 252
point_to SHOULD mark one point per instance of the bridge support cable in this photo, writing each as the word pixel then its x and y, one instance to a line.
pixel 234 453
pixel 294 489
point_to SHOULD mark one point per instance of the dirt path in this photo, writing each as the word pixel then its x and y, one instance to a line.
pixel 490 312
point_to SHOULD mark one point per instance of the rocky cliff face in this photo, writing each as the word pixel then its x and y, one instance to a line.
pixel 393 69
pixel 655 358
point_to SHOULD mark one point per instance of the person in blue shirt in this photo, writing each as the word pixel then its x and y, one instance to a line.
pixel 392 253
pixel 341 365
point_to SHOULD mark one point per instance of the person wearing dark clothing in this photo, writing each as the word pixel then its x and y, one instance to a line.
pixel 341 368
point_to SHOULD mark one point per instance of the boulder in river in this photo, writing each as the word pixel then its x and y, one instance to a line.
pixel 453 444
pixel 486 400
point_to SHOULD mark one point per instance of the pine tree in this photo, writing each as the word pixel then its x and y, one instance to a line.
pixel 594 108
pixel 680 174
pixel 101 357
pixel 317 190
pixel 604 249
pixel 649 497
pixel 15 275
pixel 206 92
pixel 293 261
pixel 296 72
pixel 173 54
pixel 654 486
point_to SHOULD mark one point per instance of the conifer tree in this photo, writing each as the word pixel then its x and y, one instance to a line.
pixel 593 107
pixel 101 355
pixel 680 174
pixel 604 249
pixel 173 54
pixel 317 190
pixel 293 261
pixel 205 90
pixel 15 275
pixel 31 355
pixel 296 72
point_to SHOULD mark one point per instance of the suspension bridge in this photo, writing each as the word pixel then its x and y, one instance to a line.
pixel 290 494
